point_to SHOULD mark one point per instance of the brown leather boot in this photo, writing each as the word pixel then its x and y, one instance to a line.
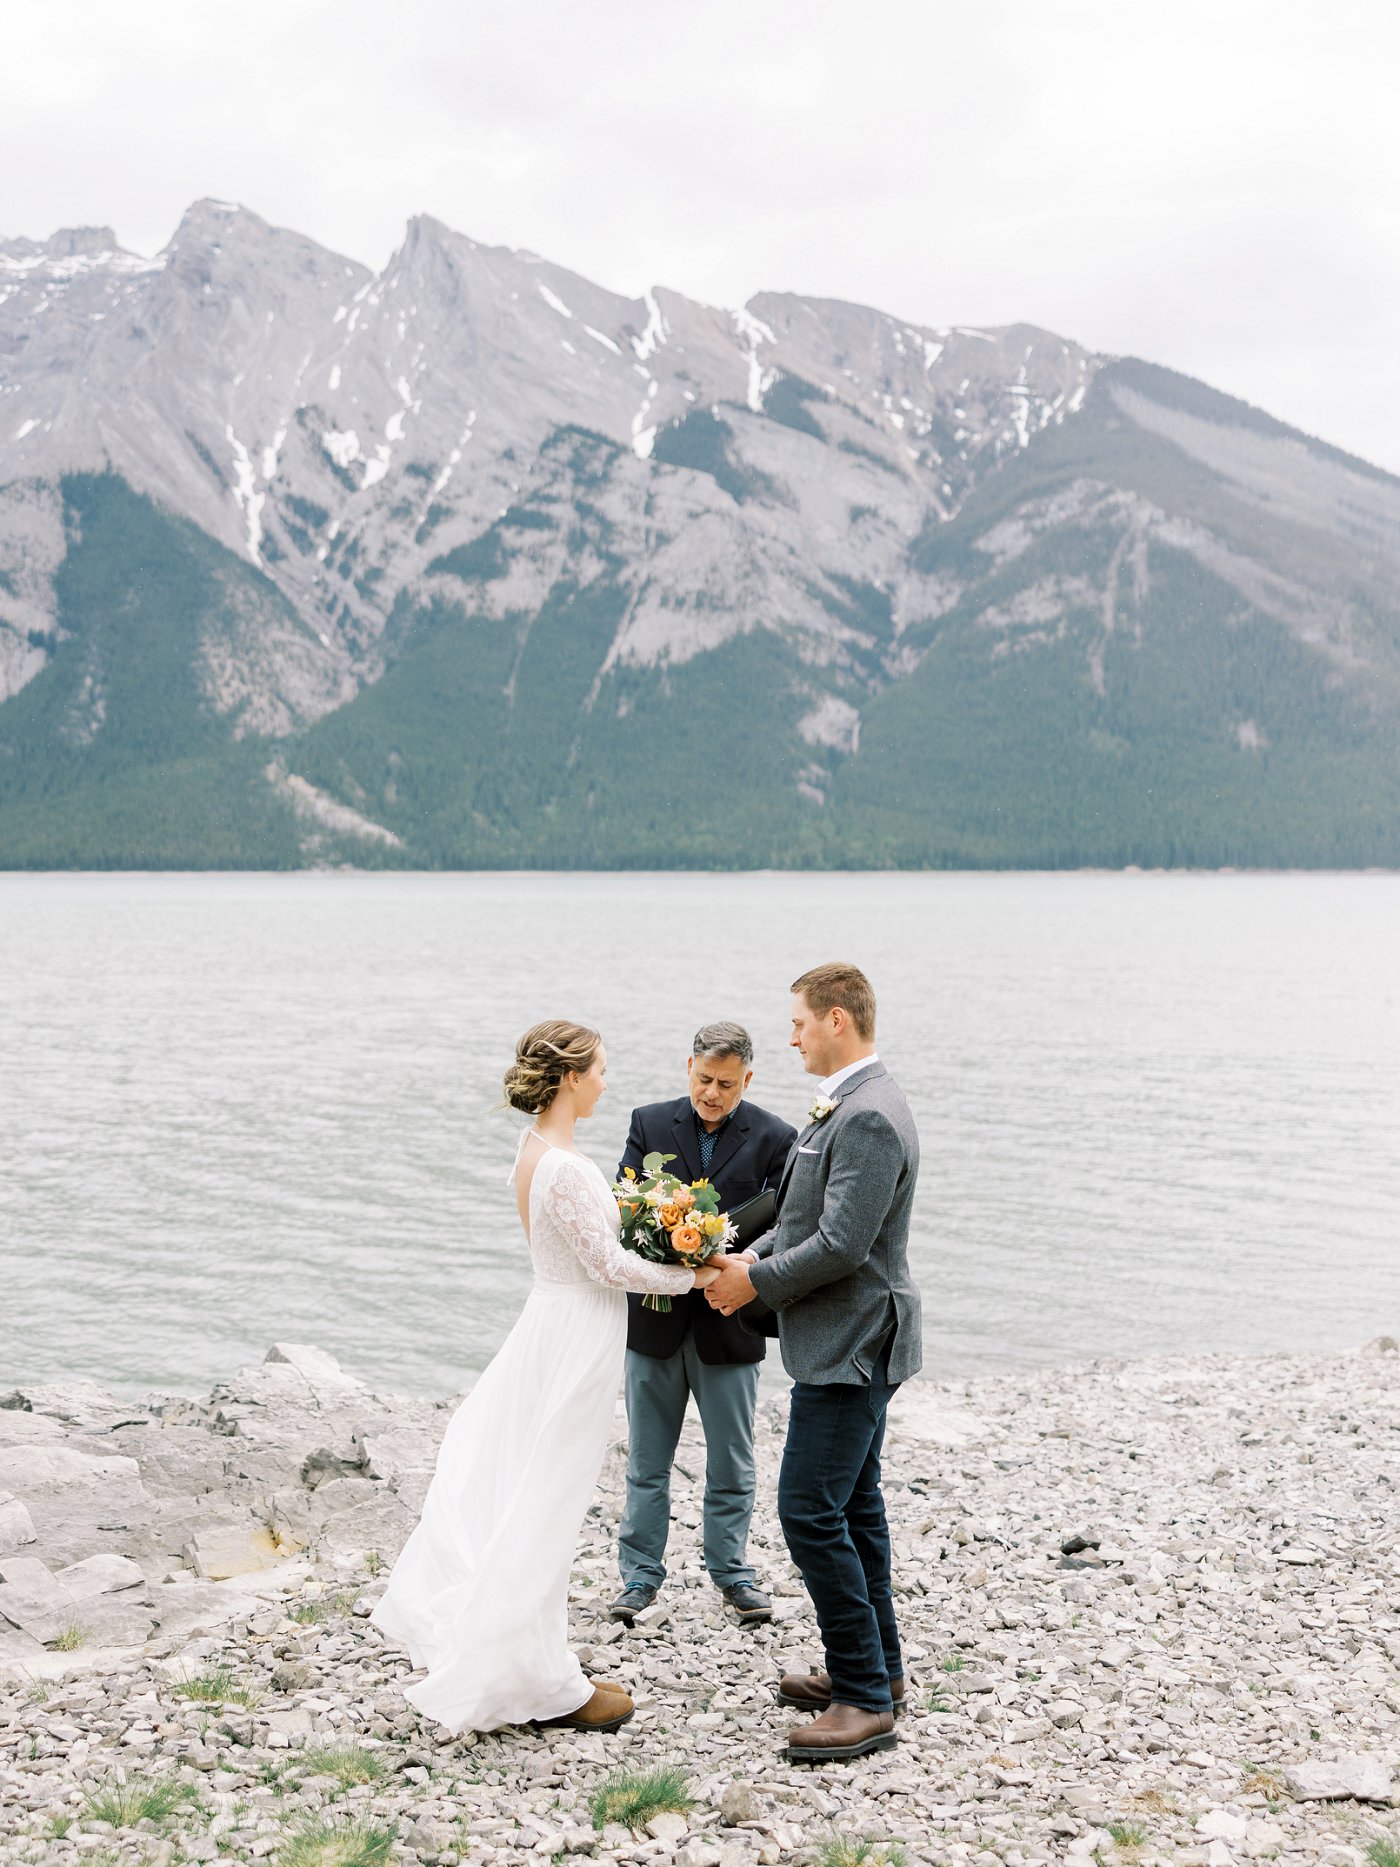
pixel 841 1731
pixel 812 1691
pixel 607 1710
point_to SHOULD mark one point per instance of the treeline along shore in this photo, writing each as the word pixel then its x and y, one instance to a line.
pixel 1152 1614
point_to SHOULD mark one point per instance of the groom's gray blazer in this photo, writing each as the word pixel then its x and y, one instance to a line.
pixel 835 1268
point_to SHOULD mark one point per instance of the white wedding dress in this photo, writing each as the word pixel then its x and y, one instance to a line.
pixel 480 1594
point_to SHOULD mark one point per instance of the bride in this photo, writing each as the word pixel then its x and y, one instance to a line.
pixel 480 1594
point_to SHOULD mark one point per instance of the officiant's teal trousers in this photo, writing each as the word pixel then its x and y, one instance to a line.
pixel 658 1390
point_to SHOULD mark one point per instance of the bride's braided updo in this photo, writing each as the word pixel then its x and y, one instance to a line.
pixel 544 1056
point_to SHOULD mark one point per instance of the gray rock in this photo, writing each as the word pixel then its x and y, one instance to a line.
pixel 320 1371
pixel 1361 1777
pixel 668 1826
pixel 234 1550
pixel 738 1804
pixel 294 1722
pixel 100 1575
pixel 16 1524
pixel 698 1853
pixel 657 1615
pixel 430 1837
pixel 322 1464
pixel 114 1620
pixel 1077 1541
pixel 29 1573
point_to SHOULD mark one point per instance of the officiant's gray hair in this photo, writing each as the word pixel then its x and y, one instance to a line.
pixel 724 1039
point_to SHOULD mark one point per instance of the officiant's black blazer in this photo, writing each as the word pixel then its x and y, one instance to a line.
pixel 749 1156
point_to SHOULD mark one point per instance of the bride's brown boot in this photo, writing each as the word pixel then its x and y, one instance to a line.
pixel 607 1710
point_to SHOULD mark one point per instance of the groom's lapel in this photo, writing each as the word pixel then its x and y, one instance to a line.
pixel 804 1135
pixel 853 1081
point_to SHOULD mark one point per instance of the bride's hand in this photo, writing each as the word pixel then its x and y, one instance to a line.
pixel 705 1276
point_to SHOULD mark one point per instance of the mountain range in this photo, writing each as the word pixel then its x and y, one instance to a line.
pixel 473 563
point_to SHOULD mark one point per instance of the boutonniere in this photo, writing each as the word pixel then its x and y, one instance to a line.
pixel 820 1109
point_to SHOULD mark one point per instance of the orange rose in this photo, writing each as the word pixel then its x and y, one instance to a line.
pixel 683 1197
pixel 689 1240
pixel 670 1216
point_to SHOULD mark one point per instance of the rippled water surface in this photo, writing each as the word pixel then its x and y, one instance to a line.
pixel 1159 1113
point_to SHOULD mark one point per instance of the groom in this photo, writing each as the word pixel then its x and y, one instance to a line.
pixel 835 1270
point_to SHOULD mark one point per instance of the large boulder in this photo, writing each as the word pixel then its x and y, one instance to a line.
pixel 321 1372
pixel 106 1574
pixel 1361 1777
pixel 75 1499
pixel 236 1549
pixel 98 1602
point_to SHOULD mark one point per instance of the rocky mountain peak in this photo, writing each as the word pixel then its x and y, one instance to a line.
pixel 630 488
pixel 67 243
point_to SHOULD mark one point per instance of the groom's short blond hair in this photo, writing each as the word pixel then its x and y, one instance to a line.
pixel 826 987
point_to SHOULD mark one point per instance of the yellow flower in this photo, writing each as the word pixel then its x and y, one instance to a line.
pixel 629 1173
pixel 712 1224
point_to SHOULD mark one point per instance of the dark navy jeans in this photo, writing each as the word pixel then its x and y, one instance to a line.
pixel 833 1517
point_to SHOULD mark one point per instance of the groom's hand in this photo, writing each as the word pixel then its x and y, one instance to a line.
pixel 733 1287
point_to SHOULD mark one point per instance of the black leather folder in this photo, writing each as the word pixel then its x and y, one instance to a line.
pixel 755 1217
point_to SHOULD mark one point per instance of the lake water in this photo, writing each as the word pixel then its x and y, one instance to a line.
pixel 1160 1113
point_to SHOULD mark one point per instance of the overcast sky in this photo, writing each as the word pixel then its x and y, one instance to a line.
pixel 1215 186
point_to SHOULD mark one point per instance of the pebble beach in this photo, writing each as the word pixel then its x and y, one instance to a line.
pixel 1151 1612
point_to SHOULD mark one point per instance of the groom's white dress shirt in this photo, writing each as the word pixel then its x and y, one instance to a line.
pixel 830 1084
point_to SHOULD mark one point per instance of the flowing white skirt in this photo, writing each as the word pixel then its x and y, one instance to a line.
pixel 480 1595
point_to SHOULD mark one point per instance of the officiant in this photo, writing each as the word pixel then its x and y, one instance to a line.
pixel 717 1135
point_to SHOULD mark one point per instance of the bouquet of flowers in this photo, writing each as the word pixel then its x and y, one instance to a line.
pixel 668 1220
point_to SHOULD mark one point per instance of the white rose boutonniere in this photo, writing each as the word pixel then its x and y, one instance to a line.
pixel 821 1108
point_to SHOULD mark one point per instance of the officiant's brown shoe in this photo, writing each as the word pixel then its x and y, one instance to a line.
pixel 841 1731
pixel 607 1710
pixel 812 1691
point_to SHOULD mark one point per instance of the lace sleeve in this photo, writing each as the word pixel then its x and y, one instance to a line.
pixel 572 1203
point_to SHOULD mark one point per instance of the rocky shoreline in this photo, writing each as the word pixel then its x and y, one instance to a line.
pixel 1152 1612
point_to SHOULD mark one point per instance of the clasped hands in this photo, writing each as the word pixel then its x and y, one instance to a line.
pixel 726 1282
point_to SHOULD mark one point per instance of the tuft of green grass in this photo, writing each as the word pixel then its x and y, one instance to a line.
pixel 858 1851
pixel 59 1826
pixel 933 1701
pixel 347 1763
pixel 955 1663
pixel 331 1843
pixel 632 1797
pixel 1265 1779
pixel 374 1562
pixel 323 1608
pixel 126 1804
pixel 218 1686
pixel 1129 1834
pixel 69 1637
pixel 1383 1852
